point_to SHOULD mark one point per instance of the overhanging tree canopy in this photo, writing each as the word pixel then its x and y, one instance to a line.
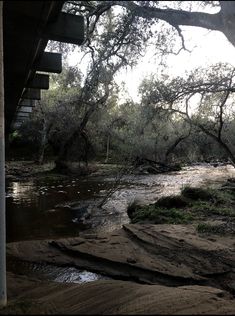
pixel 223 20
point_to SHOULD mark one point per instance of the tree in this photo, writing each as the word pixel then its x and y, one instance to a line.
pixel 115 39
pixel 116 43
pixel 204 100
pixel 54 115
pixel 150 11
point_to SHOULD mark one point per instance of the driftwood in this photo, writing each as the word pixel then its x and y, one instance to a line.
pixel 151 166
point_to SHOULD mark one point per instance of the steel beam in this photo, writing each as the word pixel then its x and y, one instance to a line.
pixel 67 28
pixel 32 94
pixel 40 81
pixel 50 62
pixel 18 120
pixel 26 103
pixel 18 114
pixel 25 109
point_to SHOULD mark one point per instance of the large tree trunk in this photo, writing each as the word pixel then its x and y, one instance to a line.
pixel 227 15
pixel 107 149
pixel 174 145
pixel 43 143
pixel 61 161
pixel 219 141
pixel 223 21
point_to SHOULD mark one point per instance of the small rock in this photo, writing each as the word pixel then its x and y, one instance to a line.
pixel 129 260
pixel 212 239
pixel 51 211
pixel 77 243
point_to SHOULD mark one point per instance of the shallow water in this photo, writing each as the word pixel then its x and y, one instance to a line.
pixel 32 212
pixel 31 204
pixel 46 272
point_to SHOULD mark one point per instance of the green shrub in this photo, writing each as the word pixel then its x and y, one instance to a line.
pixel 193 203
pixel 176 201
pixel 198 194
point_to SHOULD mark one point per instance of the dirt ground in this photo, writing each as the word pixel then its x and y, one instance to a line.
pixel 113 298
pixel 156 269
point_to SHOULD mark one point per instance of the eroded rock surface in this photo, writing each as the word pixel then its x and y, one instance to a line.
pixel 171 255
pixel 113 298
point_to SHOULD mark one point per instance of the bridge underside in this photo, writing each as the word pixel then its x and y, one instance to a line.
pixel 27 27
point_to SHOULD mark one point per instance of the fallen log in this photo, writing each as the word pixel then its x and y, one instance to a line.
pixel 151 166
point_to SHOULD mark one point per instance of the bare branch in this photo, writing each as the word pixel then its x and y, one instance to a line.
pixel 221 110
pixel 182 39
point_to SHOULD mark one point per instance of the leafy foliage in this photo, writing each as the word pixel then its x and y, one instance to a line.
pixel 178 119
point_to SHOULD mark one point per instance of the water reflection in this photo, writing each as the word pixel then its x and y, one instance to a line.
pixel 53 273
pixel 31 212
pixel 19 190
pixel 72 275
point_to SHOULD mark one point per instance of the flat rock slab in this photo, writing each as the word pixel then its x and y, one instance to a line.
pixel 155 254
pixel 31 297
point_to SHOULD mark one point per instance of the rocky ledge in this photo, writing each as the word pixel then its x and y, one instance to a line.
pixel 170 255
pixel 113 297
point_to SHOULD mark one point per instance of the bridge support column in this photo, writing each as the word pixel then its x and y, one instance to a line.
pixel 3 293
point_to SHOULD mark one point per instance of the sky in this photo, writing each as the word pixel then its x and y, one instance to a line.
pixel 208 47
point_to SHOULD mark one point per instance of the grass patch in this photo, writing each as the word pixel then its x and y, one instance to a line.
pixel 207 209
pixel 221 229
pixel 221 202
pixel 207 228
pixel 192 204
pixel 159 215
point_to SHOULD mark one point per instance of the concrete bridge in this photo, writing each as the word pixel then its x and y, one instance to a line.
pixel 25 28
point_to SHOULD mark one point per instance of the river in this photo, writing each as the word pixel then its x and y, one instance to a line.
pixel 47 208
pixel 34 212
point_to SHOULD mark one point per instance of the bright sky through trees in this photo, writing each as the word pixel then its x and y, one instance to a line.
pixel 207 48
